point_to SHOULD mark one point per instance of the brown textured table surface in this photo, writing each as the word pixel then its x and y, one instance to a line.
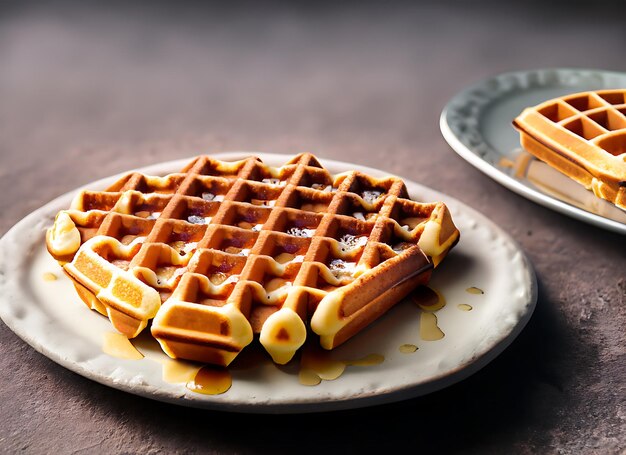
pixel 86 92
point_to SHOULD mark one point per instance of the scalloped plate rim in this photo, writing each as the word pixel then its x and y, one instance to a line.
pixel 467 153
pixel 315 404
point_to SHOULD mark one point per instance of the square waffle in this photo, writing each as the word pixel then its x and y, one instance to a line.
pixel 583 135
pixel 225 250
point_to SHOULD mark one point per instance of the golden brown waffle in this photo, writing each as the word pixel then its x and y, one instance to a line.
pixel 583 135
pixel 223 250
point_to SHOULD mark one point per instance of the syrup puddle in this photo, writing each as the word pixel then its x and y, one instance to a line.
pixel 464 307
pixel 118 346
pixel 475 290
pixel 49 276
pixel 179 371
pixel 205 379
pixel 211 380
pixel 316 365
pixel 429 300
pixel 407 348
pixel 429 330
pixel 367 361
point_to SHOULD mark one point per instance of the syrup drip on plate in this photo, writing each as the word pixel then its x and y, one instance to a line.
pixel 118 346
pixel 430 301
pixel 49 276
pixel 211 380
pixel 179 371
pixel 475 290
pixel 429 330
pixel 407 348
pixel 317 365
pixel 367 361
pixel 207 379
pixel 464 307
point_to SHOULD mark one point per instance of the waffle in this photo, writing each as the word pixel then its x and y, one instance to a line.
pixel 582 135
pixel 225 250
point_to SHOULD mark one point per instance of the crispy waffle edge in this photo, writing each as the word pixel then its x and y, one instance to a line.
pixel 115 254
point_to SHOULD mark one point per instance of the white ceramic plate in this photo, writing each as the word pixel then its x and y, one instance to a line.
pixel 477 124
pixel 50 317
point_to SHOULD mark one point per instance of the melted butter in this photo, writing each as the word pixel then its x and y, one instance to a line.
pixel 464 307
pixel 407 348
pixel 49 276
pixel 411 222
pixel 474 290
pixel 429 330
pixel 211 380
pixel 118 346
pixel 428 299
pixel 217 278
pixel 276 283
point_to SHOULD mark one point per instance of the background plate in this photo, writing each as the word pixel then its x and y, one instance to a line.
pixel 50 317
pixel 477 125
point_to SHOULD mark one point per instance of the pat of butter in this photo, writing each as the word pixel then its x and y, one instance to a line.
pixel 63 236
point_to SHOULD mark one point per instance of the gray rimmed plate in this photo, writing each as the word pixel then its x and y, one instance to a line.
pixel 477 124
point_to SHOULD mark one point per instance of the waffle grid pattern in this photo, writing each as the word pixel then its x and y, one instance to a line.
pixel 591 116
pixel 237 248
pixel 584 136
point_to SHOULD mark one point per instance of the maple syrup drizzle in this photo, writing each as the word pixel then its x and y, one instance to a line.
pixel 49 276
pixel 407 348
pixel 173 371
pixel 475 290
pixel 211 380
pixel 179 371
pixel 117 345
pixel 464 307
